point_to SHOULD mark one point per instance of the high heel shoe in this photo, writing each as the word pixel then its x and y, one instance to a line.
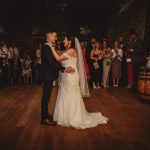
pixel 94 86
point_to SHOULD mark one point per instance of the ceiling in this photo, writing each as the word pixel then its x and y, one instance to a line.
pixel 26 15
pixel 46 3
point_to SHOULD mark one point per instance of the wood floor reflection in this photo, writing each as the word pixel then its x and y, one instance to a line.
pixel 20 128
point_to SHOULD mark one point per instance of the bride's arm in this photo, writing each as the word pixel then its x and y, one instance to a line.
pixel 63 56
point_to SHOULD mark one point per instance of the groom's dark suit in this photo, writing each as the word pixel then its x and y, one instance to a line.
pixel 49 72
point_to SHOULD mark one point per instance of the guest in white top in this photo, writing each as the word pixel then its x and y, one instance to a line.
pixel 16 52
pixel 107 55
pixel 116 63
pixel 11 51
pixel 4 52
pixel 5 56
pixel 38 55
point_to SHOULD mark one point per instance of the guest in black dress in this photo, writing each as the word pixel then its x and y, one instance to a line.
pixel 97 64
pixel 90 47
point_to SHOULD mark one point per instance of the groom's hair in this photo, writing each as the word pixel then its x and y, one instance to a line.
pixel 50 31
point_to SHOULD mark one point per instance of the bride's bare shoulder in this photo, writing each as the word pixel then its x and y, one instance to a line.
pixel 71 52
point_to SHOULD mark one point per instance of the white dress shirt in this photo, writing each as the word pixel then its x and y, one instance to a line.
pixel 3 52
pixel 16 51
pixel 38 56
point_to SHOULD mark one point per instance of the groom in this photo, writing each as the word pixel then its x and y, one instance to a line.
pixel 49 72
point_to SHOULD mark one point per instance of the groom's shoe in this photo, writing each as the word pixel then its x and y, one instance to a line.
pixel 50 117
pixel 48 122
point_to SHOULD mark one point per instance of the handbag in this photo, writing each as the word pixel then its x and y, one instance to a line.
pixel 96 65
pixel 108 63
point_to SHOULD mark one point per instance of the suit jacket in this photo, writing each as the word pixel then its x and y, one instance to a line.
pixel 137 55
pixel 49 66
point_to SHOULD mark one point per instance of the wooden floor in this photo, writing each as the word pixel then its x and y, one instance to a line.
pixel 20 128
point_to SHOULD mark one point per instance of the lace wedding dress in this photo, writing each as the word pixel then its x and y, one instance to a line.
pixel 70 110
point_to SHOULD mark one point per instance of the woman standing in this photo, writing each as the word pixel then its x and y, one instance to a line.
pixel 130 70
pixel 97 60
pixel 107 53
pixel 27 71
pixel 116 63
pixel 83 46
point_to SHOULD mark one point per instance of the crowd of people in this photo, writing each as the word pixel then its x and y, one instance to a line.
pixel 15 67
pixel 105 64
pixel 115 64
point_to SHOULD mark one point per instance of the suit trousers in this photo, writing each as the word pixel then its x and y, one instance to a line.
pixel 136 69
pixel 47 89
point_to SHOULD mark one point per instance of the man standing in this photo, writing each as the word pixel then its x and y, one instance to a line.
pixel 137 55
pixel 49 72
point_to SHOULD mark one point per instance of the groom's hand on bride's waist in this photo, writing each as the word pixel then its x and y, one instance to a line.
pixel 69 70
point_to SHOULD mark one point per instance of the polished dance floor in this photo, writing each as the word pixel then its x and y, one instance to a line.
pixel 20 128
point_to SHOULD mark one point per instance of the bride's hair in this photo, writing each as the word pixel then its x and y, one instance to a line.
pixel 71 38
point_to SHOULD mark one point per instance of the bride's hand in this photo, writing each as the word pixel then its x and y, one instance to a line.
pixel 69 70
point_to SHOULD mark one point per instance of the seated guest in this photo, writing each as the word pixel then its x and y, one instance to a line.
pixel 97 61
pixel 116 63
pixel 16 69
pixel 83 46
pixel 107 55
pixel 27 71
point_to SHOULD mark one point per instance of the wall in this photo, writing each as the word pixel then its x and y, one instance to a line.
pixel 133 17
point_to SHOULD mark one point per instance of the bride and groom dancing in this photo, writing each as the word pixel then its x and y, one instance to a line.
pixel 70 110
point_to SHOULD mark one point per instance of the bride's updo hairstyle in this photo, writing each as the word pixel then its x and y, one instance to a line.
pixel 71 38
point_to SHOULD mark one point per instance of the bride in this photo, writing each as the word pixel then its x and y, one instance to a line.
pixel 70 110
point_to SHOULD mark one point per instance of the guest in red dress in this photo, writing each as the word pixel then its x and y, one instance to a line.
pixel 130 70
pixel 83 46
pixel 130 75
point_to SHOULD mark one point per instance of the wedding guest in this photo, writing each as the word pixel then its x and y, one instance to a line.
pixel 97 61
pixel 11 51
pixel 27 71
pixel 116 63
pixel 137 57
pixel 5 57
pixel 90 47
pixel 130 71
pixel 4 52
pixel 16 69
pixel 83 46
pixel 16 52
pixel 107 54
pixel 93 42
pixel 38 61
pixel 33 62
pixel 124 47
pixel 86 43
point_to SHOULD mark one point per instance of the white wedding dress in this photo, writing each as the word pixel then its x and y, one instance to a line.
pixel 70 110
